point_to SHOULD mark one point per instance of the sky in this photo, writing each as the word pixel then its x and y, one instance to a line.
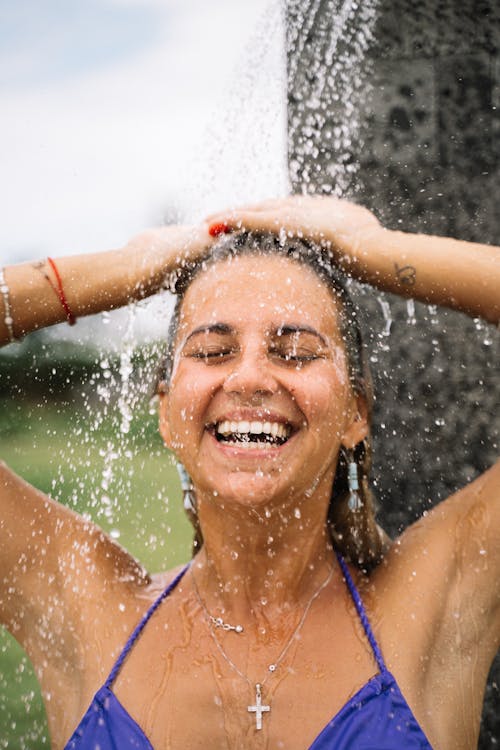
pixel 122 114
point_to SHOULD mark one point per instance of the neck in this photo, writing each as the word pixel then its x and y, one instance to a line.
pixel 261 561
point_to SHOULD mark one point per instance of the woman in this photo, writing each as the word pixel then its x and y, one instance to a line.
pixel 273 629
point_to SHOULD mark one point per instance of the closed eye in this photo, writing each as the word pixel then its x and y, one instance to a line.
pixel 295 357
pixel 298 345
pixel 212 356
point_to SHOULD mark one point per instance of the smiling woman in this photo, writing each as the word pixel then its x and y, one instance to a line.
pixel 286 272
pixel 295 608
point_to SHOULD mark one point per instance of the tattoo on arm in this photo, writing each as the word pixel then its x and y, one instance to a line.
pixel 407 275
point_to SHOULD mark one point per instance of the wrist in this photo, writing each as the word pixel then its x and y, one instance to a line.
pixel 144 267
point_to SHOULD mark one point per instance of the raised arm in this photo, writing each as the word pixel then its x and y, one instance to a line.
pixel 438 270
pixel 52 560
pixel 31 295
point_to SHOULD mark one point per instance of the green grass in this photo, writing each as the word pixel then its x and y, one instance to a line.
pixel 126 482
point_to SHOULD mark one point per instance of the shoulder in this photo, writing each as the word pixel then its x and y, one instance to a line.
pixel 58 567
pixel 435 602
pixel 447 565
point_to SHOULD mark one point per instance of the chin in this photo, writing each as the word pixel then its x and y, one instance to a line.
pixel 250 491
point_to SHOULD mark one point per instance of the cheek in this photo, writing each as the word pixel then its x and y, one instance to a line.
pixel 190 395
pixel 325 398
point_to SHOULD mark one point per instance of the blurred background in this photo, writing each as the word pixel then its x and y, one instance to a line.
pixel 122 114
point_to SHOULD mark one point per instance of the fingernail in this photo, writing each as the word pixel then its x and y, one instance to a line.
pixel 218 228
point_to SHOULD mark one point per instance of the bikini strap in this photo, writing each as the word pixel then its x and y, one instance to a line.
pixel 362 613
pixel 139 628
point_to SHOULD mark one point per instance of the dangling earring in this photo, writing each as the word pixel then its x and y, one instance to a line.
pixel 189 498
pixel 355 501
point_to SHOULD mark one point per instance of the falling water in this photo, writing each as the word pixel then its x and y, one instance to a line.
pixel 336 69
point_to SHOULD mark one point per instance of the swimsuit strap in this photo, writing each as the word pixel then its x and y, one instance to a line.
pixel 139 628
pixel 362 613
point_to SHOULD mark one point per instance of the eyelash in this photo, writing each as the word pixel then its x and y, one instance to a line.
pixel 211 355
pixel 219 355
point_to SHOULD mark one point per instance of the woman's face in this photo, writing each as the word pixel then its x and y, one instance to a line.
pixel 259 400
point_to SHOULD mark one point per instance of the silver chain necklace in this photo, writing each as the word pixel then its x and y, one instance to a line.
pixel 257 708
pixel 217 622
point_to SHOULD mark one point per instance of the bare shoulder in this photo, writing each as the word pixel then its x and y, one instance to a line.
pixel 57 565
pixel 446 566
pixel 435 602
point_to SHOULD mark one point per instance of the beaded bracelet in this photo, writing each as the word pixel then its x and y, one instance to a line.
pixel 8 320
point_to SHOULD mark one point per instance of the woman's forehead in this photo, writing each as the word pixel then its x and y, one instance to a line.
pixel 258 287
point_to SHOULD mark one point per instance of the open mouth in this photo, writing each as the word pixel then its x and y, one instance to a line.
pixel 251 434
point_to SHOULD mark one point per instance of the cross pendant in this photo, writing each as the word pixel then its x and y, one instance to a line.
pixel 258 709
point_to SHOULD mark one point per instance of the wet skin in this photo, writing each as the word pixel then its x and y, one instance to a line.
pixel 262 509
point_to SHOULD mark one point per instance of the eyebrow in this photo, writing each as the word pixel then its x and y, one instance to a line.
pixel 290 330
pixel 220 328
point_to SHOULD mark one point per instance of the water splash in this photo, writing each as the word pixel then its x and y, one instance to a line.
pixel 410 308
pixel 243 156
pixel 386 312
pixel 126 398
pixel 328 56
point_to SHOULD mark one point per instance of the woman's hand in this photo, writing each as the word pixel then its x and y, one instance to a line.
pixel 155 253
pixel 337 225
pixel 438 270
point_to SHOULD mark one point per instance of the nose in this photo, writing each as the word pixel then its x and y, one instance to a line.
pixel 251 376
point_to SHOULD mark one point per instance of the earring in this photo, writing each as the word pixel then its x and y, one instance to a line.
pixel 188 495
pixel 355 501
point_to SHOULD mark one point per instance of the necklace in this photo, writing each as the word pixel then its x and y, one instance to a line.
pixel 217 622
pixel 258 708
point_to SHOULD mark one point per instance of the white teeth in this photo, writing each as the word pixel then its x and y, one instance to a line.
pixel 276 429
pixel 247 445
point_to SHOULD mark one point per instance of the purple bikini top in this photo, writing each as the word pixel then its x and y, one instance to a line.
pixel 377 717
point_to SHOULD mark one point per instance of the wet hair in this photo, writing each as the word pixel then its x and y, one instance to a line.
pixel 354 532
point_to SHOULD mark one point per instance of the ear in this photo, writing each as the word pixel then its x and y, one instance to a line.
pixel 163 416
pixel 358 426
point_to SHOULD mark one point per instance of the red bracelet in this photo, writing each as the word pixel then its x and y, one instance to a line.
pixel 60 292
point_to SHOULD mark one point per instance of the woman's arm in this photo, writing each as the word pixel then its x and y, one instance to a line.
pixel 438 270
pixel 96 282
pixel 50 556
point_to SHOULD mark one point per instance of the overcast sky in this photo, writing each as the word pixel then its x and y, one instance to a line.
pixel 119 114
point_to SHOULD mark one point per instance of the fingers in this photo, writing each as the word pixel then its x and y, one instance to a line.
pixel 251 221
pixel 268 214
pixel 270 203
